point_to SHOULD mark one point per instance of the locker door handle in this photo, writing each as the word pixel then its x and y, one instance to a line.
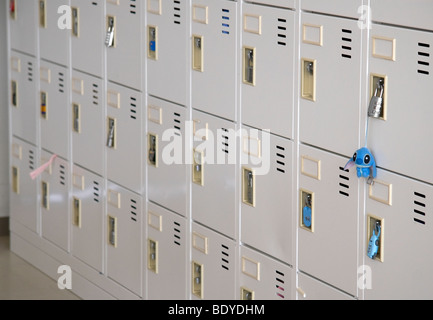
pixel 76 117
pixel 247 294
pixel 76 212
pixel 44 105
pixel 112 231
pixel 45 195
pixel 12 9
pixel 111 139
pixel 152 50
pixel 42 13
pixel 14 93
pixel 308 82
pixel 197 53
pixel 15 180
pixel 197 279
pixel 248 187
pixel 197 170
pixel 75 22
pixel 109 38
pixel 249 65
pixel 153 150
pixel 152 263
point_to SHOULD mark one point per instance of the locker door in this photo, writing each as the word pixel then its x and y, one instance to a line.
pixel 267 68
pixel 22 25
pixel 54 201
pixel 124 238
pixel 402 267
pixel 213 268
pixel 402 130
pixel 124 51
pixel 336 7
pixel 87 217
pixel 263 278
pixel 53 108
pixel 166 243
pixel 167 170
pixel 166 49
pixel 23 95
pixel 312 289
pixel 123 137
pixel 54 35
pixel 330 95
pixel 214 174
pixel 23 197
pixel 266 174
pixel 214 53
pixel 88 122
pixel 414 13
pixel 328 219
pixel 88 28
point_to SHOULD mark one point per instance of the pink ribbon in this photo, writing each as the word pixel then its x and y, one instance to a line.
pixel 38 171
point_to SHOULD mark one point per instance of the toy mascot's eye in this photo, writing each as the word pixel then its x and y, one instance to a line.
pixel 354 156
pixel 367 159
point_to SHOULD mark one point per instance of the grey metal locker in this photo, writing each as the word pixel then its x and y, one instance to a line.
pixel 88 122
pixel 213 265
pixel 214 57
pixel 268 68
pixel 166 50
pixel 166 254
pixel 214 201
pixel 263 278
pixel 352 9
pixel 413 13
pixel 88 30
pixel 123 40
pixel 309 288
pixel 330 75
pixel 87 211
pixel 401 269
pixel 124 238
pixel 23 195
pixel 166 154
pixel 266 193
pixel 55 201
pixel 402 132
pixel 22 15
pixel 328 217
pixel 54 33
pixel 123 141
pixel 23 96
pixel 54 109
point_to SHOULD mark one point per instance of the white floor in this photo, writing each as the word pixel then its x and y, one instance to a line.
pixel 19 280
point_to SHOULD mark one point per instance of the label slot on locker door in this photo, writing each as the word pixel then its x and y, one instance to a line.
pixel 112 231
pixel 15 180
pixel 76 216
pixel 197 53
pixel 248 187
pixel 152 50
pixel 153 149
pixel 197 279
pixel 42 13
pixel 249 65
pixel 44 99
pixel 14 93
pixel 76 123
pixel 45 195
pixel 308 82
pixel 152 259
pixel 75 21
pixel 110 38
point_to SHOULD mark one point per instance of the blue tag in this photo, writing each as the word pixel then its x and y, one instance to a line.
pixel 306 216
pixel 152 45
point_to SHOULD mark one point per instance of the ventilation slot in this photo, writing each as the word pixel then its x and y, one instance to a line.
pixel 177 233
pixel 133 110
pixel 419 208
pixel 132 7
pixel 62 175
pixel 225 21
pixel 346 46
pixel 225 257
pixel 281 159
pixel 31 160
pixel 279 284
pixel 94 3
pixel 133 207
pixel 30 71
pixel 95 94
pixel 95 191
pixel 344 180
pixel 176 12
pixel 225 141
pixel 177 123
pixel 281 32
pixel 61 80
pixel 422 57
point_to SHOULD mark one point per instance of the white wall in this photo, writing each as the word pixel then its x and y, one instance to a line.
pixel 4 154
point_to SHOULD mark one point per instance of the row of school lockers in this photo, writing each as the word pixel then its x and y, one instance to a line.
pixel 102 94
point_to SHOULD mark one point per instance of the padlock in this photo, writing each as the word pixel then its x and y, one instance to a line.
pixel 376 102
pixel 109 39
